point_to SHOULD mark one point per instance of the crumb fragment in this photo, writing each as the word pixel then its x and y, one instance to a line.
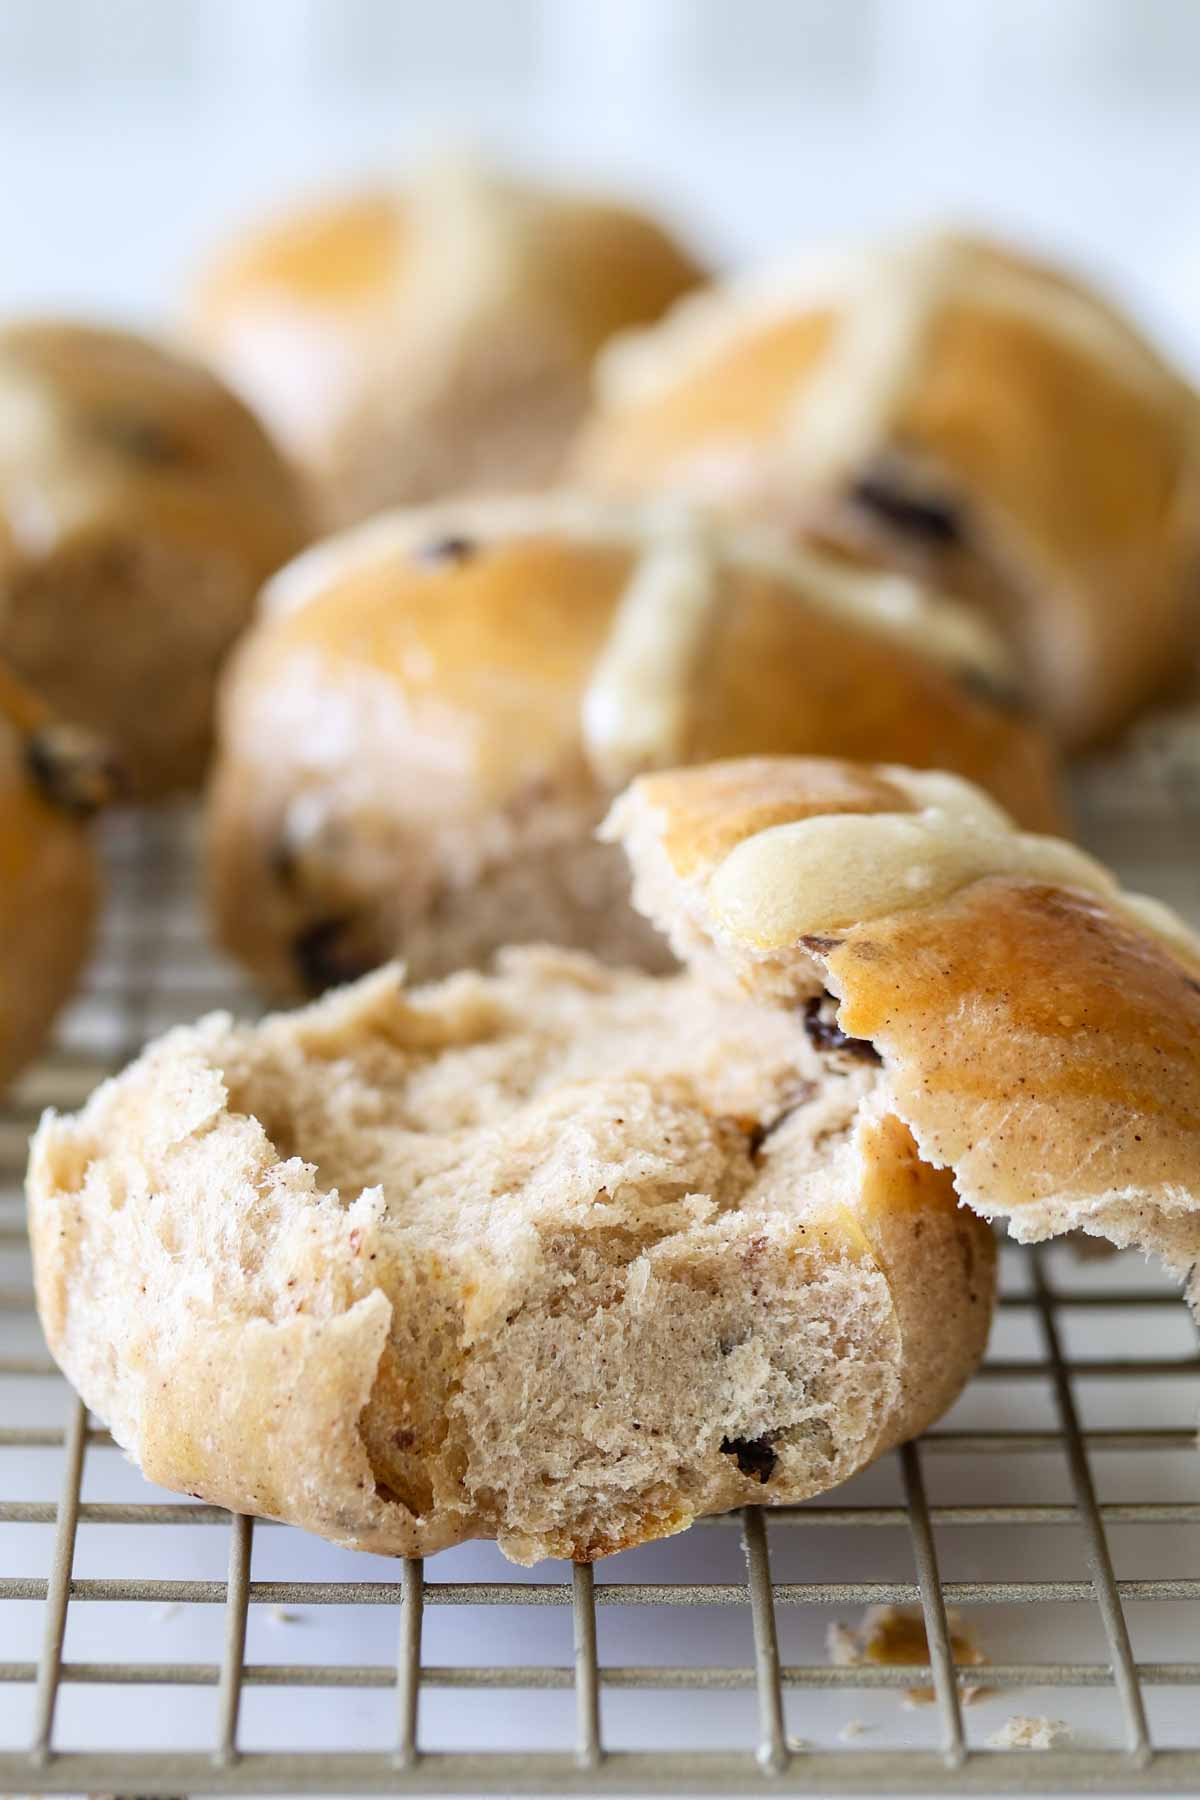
pixel 842 1645
pixel 852 1729
pixel 891 1635
pixel 796 1744
pixel 1026 1732
pixel 282 1615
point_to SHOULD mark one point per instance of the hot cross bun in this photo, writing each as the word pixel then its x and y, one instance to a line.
pixel 407 342
pixel 141 508
pixel 424 728
pixel 978 416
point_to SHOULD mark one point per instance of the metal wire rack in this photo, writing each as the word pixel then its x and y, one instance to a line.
pixel 1072 1451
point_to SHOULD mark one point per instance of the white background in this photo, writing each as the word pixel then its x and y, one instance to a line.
pixel 132 131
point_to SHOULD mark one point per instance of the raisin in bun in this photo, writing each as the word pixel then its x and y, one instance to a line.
pixel 409 342
pixel 141 508
pixel 420 735
pixel 52 778
pixel 978 416
pixel 1039 1027
pixel 562 1255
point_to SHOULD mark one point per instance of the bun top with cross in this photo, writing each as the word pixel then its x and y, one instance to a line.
pixel 973 413
pixel 560 634
pixel 413 340
pixel 421 733
pixel 1039 1026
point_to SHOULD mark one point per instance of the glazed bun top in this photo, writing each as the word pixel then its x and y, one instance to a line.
pixel 891 295
pixel 296 310
pixel 1039 1027
pixel 557 640
pixel 963 403
pixel 104 430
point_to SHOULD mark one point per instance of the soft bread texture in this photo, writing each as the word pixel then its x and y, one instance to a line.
pixel 141 508
pixel 50 778
pixel 420 735
pixel 437 339
pixel 562 1256
pixel 976 415
pixel 1039 1027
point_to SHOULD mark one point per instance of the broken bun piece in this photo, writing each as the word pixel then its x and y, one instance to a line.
pixel 420 735
pixel 564 1256
pixel 52 778
pixel 1039 1027
pixel 407 343
pixel 141 509
pixel 979 417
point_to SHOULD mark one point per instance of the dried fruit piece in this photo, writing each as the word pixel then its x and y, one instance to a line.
pixel 73 769
pixel 325 957
pixel 755 1456
pixel 820 1022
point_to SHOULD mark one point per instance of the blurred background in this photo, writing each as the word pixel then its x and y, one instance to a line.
pixel 133 131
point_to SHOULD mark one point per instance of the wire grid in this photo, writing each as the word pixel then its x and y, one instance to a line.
pixel 152 968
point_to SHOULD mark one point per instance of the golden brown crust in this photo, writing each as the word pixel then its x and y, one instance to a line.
pixel 336 252
pixel 742 394
pixel 489 654
pixel 411 712
pixel 433 340
pixel 1040 1028
pixel 706 812
pixel 1040 1046
pixel 612 267
pixel 141 507
pixel 1057 457
pixel 1106 554
pixel 48 878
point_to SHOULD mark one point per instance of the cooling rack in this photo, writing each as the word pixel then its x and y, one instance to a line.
pixel 153 1645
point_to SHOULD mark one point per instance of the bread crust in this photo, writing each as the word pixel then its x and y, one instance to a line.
pixel 141 508
pixel 49 781
pixel 1039 1027
pixel 436 339
pixel 426 724
pixel 571 1291
pixel 971 412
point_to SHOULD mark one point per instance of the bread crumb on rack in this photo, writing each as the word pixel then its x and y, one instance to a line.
pixel 1023 1732
pixel 891 1635
pixel 853 1729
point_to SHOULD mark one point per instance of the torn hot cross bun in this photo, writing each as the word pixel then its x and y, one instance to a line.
pixel 562 1255
pixel 421 733
pixel 568 1256
pixel 52 778
pixel 408 342
pixel 141 509
pixel 972 414
pixel 1039 1027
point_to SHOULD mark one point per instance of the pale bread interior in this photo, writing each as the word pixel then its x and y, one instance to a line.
pixel 650 1251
